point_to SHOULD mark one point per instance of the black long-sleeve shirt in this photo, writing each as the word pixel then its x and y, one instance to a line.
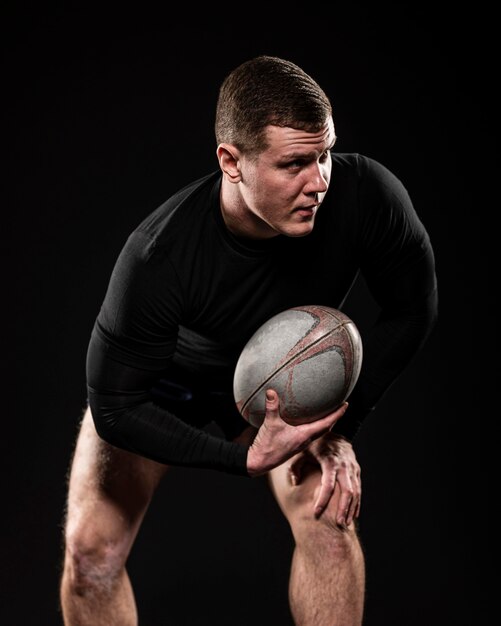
pixel 186 293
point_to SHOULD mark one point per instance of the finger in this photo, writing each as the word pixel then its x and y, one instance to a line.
pixel 295 470
pixel 351 512
pixel 272 403
pixel 354 508
pixel 320 426
pixel 349 504
pixel 343 509
pixel 357 509
pixel 340 411
pixel 359 498
pixel 327 484
pixel 347 500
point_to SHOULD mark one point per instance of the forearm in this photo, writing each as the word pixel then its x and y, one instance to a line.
pixel 151 431
pixel 125 415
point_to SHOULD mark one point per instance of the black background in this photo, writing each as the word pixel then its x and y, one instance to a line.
pixel 105 116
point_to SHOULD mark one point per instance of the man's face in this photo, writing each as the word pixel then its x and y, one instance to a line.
pixel 284 186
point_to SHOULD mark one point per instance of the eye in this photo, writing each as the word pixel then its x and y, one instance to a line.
pixel 295 164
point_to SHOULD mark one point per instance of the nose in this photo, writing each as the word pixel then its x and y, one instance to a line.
pixel 317 182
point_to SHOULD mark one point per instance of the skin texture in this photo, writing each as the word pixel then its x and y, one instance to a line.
pixel 327 578
pixel 108 494
pixel 313 474
pixel 319 491
pixel 276 440
pixel 280 191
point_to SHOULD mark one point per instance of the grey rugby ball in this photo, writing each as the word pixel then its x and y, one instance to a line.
pixel 310 355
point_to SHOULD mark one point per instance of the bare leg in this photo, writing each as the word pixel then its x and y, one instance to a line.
pixel 327 579
pixel 109 493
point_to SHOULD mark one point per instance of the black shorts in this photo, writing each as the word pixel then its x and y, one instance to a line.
pixel 199 405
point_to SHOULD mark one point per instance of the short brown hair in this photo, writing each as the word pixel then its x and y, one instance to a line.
pixel 267 90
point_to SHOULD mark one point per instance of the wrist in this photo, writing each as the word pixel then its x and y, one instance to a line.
pixel 252 465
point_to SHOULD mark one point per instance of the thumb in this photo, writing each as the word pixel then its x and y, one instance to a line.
pixel 295 470
pixel 272 403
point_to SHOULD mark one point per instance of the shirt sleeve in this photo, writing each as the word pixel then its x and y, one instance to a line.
pixel 398 264
pixel 131 346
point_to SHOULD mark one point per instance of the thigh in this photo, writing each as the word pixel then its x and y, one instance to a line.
pixel 108 490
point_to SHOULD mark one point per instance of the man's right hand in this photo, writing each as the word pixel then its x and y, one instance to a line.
pixel 276 440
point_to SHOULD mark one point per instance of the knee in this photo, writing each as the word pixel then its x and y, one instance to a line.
pixel 323 535
pixel 325 538
pixel 94 560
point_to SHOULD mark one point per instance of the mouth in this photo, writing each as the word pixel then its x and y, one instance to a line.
pixel 306 211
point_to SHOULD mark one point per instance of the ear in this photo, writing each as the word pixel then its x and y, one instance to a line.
pixel 229 158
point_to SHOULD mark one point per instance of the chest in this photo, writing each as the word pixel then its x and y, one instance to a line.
pixel 230 296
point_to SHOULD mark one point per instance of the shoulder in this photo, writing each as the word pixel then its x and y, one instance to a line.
pixel 367 171
pixel 383 205
pixel 164 233
pixel 177 213
pixel 369 188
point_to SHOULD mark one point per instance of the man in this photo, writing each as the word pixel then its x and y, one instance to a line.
pixel 283 222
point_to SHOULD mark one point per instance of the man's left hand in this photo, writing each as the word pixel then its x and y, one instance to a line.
pixel 338 464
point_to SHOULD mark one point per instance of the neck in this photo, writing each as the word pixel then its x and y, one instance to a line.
pixel 237 216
